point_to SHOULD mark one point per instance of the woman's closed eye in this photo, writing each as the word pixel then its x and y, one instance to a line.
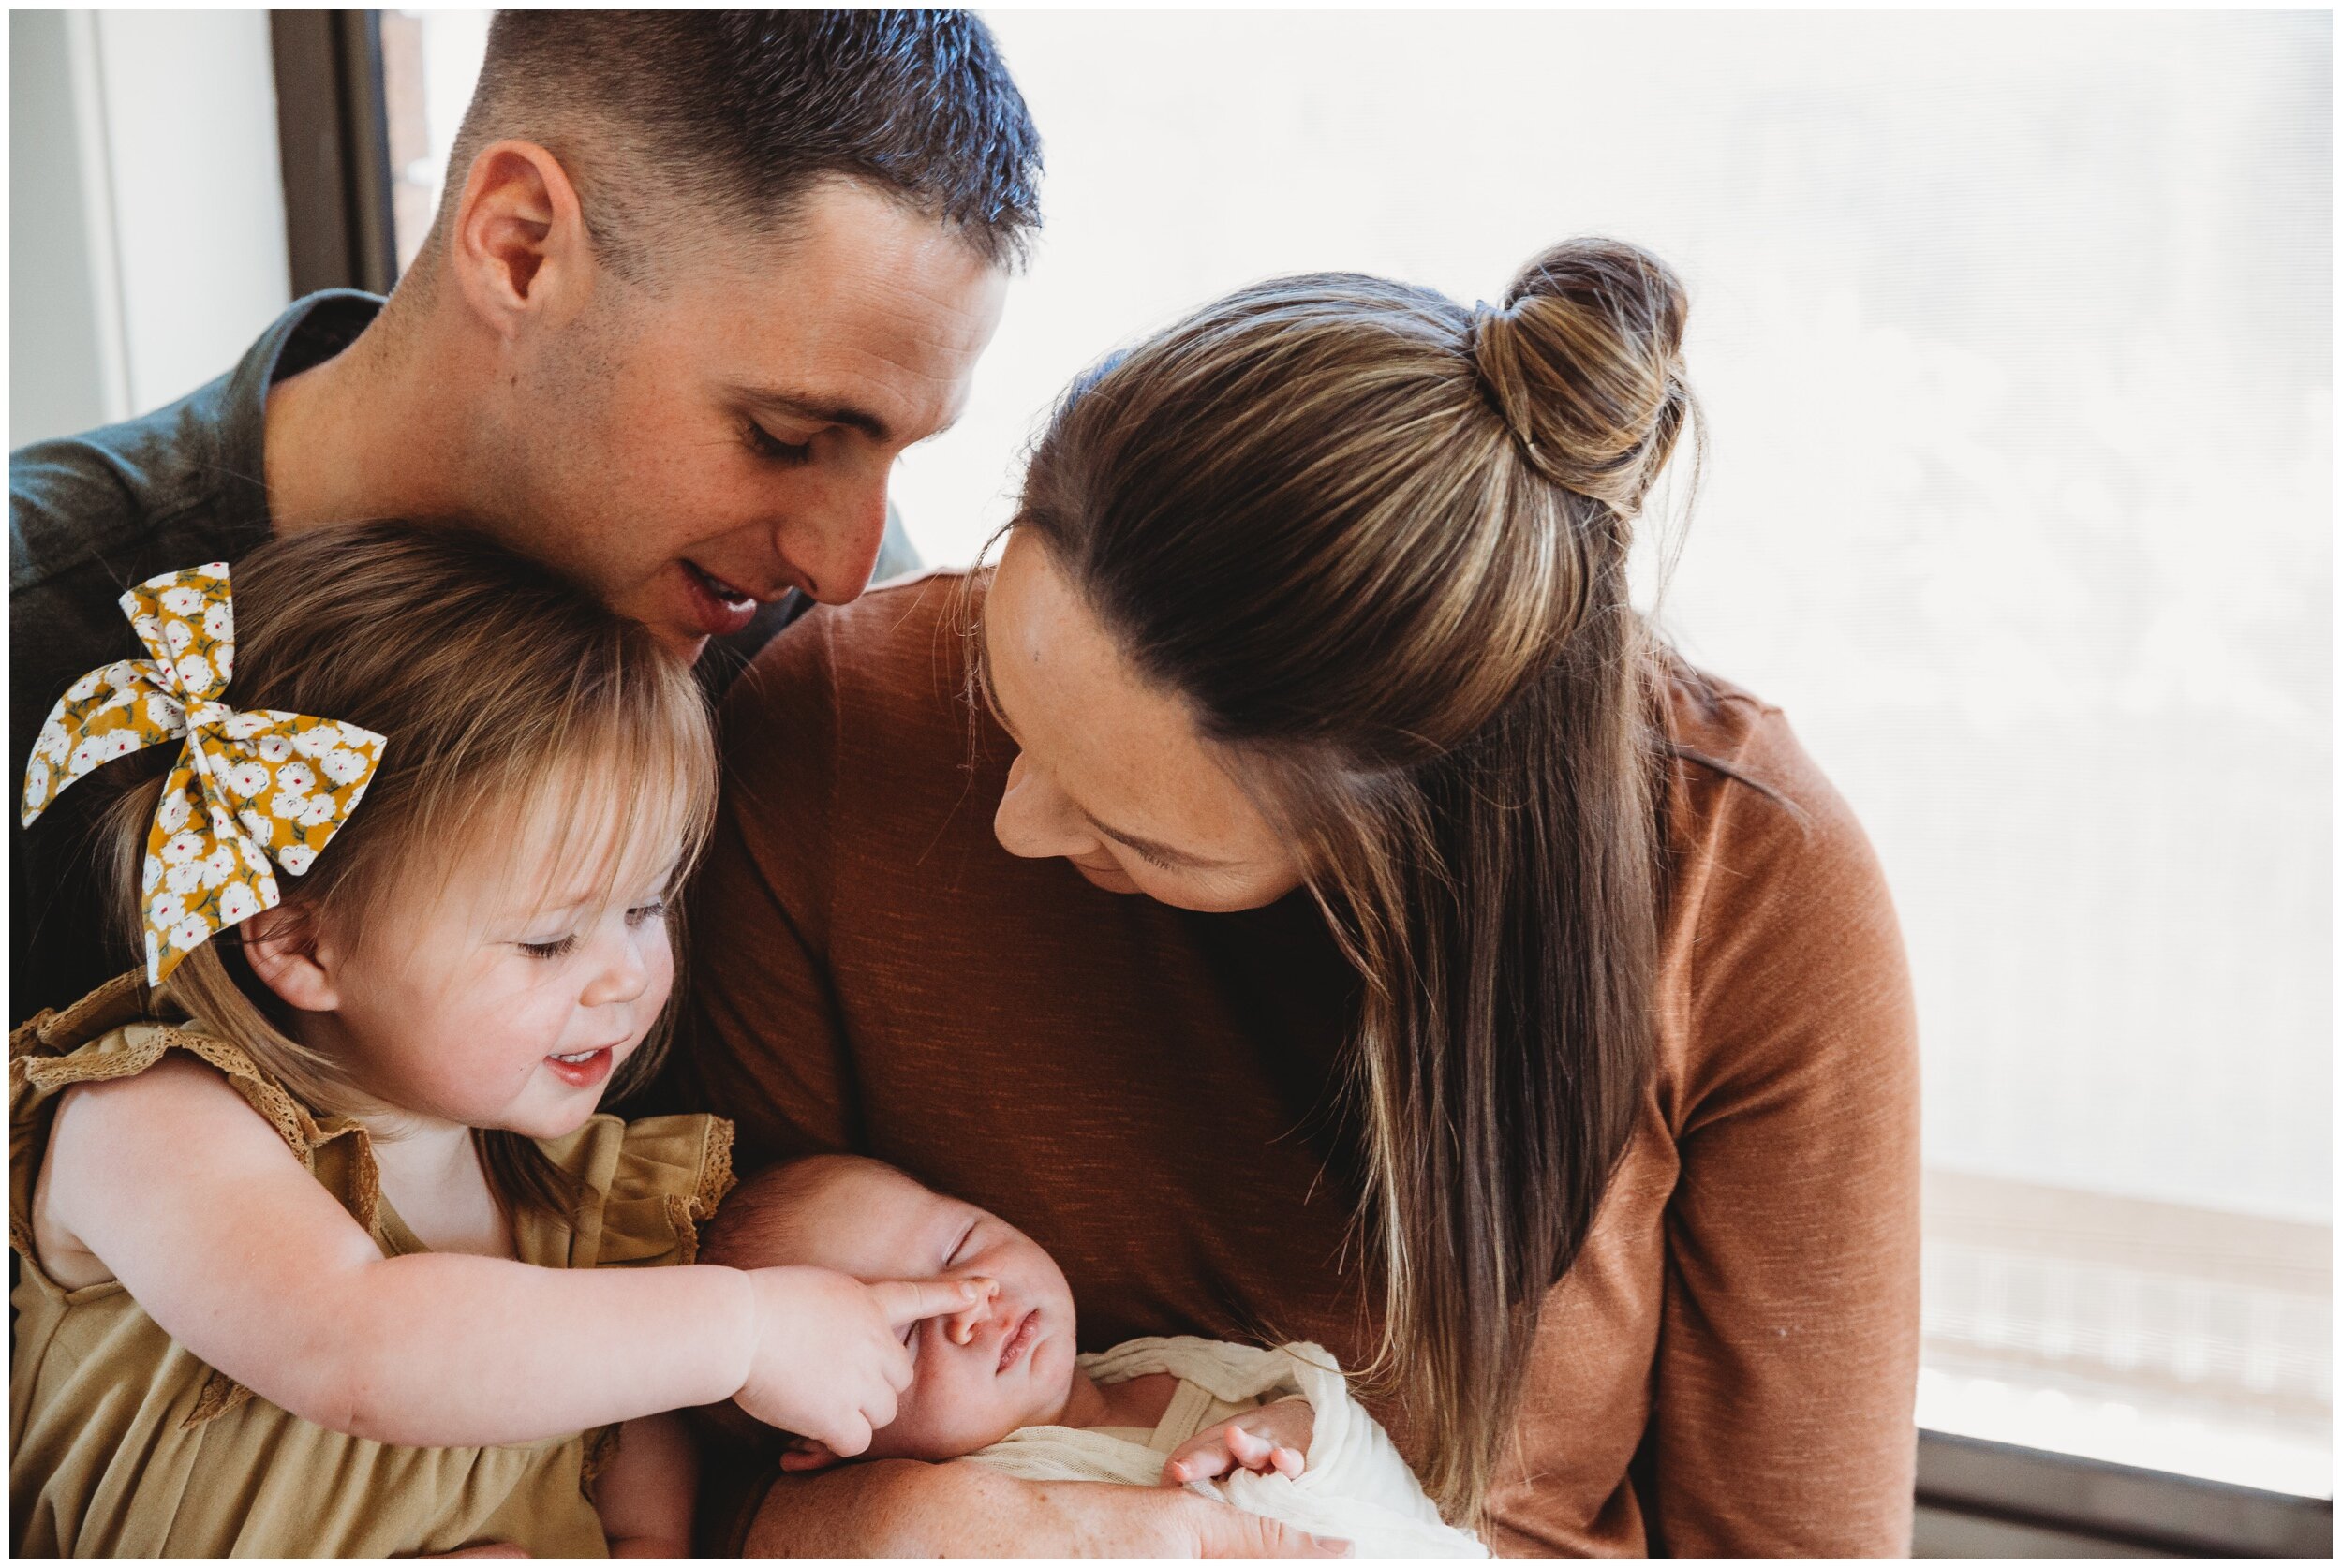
pixel 557 947
pixel 960 1247
pixel 644 913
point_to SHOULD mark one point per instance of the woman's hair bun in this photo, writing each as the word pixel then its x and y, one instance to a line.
pixel 1583 363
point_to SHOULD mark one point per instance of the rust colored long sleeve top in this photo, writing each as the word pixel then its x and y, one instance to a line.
pixel 1729 1367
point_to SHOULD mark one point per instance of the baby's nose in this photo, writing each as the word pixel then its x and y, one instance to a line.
pixel 963 1323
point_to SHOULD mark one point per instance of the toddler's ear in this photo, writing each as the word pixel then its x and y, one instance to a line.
pixel 282 950
pixel 806 1454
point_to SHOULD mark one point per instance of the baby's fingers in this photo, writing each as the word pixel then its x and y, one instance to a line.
pixel 1248 1449
pixel 1200 1462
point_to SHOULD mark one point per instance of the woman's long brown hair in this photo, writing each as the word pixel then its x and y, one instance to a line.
pixel 1378 543
pixel 503 690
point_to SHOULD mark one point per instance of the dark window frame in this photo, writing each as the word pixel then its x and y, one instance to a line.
pixel 2055 1504
pixel 333 147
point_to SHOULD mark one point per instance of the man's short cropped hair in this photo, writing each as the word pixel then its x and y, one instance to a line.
pixel 670 123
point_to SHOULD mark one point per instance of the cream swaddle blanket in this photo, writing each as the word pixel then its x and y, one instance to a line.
pixel 1355 1487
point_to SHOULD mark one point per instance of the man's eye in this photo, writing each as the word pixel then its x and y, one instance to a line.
pixel 559 948
pixel 961 1245
pixel 773 449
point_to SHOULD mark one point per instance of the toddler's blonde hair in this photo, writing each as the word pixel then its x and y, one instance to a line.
pixel 504 690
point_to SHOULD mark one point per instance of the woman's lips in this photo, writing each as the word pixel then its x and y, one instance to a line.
pixel 586 1072
pixel 719 607
pixel 1019 1338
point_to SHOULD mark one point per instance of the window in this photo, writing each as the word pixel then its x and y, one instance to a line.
pixel 2013 333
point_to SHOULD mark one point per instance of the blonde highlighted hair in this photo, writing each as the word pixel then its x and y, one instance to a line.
pixel 504 690
pixel 1378 541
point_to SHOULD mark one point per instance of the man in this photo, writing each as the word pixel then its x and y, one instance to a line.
pixel 698 278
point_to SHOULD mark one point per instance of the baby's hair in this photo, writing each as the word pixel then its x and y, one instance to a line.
pixel 504 690
pixel 758 1224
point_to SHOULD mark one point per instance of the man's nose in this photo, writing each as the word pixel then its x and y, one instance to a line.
pixel 833 549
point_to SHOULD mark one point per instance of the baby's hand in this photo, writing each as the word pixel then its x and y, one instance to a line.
pixel 1272 1440
pixel 830 1358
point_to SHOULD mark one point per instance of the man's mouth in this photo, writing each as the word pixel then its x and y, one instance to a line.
pixel 721 607
pixel 1019 1339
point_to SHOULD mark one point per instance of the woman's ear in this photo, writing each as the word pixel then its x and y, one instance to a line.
pixel 282 948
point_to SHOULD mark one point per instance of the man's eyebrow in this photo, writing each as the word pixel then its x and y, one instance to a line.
pixel 805 407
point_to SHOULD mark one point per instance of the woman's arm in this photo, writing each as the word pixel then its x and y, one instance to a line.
pixel 901 1508
pixel 1781 1415
pixel 195 1205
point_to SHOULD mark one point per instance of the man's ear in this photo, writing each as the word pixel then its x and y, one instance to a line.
pixel 283 950
pixel 805 1454
pixel 520 246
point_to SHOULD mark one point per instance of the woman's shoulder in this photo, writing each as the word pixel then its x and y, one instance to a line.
pixel 646 1186
pixel 1743 784
pixel 871 698
pixel 1782 952
pixel 904 639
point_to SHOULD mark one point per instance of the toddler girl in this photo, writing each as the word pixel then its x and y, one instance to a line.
pixel 314 1215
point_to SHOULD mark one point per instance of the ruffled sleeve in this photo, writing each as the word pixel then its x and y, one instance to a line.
pixel 648 1186
pixel 118 1031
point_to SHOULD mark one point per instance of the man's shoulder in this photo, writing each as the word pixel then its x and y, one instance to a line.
pixel 100 495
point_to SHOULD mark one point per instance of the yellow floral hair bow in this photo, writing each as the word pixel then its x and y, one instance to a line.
pixel 250 791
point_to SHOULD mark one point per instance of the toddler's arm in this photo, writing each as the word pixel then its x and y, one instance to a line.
pixel 195 1205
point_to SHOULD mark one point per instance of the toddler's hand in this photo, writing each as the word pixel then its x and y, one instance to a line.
pixel 829 1357
pixel 1272 1440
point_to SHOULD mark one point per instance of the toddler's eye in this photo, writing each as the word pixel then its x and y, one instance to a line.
pixel 640 913
pixel 558 948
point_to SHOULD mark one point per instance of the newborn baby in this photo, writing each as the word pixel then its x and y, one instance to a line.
pixel 1274 1431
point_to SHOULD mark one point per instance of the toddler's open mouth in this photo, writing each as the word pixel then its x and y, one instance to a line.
pixel 582 1069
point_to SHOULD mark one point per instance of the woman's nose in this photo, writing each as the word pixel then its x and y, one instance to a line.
pixel 1035 820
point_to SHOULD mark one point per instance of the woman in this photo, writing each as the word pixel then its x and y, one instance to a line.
pixel 1443 971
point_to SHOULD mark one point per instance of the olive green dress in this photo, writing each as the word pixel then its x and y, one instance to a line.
pixel 123 1444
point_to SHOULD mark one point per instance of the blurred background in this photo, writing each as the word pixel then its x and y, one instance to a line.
pixel 2015 335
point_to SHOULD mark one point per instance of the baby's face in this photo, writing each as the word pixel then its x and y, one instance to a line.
pixel 1017 1366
